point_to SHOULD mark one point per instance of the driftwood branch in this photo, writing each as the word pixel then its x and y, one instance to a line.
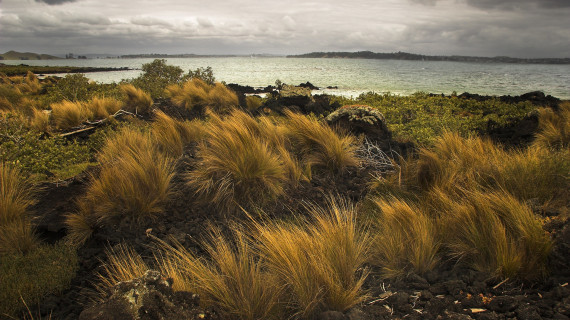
pixel 89 126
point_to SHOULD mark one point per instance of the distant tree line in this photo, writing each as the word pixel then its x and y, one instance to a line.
pixel 411 56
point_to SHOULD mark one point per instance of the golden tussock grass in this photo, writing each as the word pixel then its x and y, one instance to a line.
pixel 67 114
pixel 232 278
pixel 454 160
pixel 253 102
pixel 236 165
pixel 172 135
pixel 320 145
pixel 82 223
pixel 221 99
pixel 136 186
pixel 123 264
pixel 317 262
pixel 101 108
pixel 31 84
pixel 134 182
pixel 16 196
pixel 127 142
pixel 196 93
pixel 135 99
pixel 17 236
pixel 40 120
pixel 5 105
pixel 406 238
pixel 477 164
pixel 496 233
pixel 535 173
pixel 554 127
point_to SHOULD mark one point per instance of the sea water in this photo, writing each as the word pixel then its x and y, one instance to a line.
pixel 355 76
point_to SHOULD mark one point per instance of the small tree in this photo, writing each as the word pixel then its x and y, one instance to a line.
pixel 156 76
pixel 204 74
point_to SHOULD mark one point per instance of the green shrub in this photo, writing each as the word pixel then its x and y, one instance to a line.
pixel 421 118
pixel 47 157
pixel 27 278
pixel 156 76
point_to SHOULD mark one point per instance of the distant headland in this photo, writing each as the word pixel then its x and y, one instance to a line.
pixel 14 55
pixel 421 57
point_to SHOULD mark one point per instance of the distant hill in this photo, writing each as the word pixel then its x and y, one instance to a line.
pixel 412 56
pixel 13 55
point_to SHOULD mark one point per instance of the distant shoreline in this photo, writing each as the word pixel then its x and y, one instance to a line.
pixel 22 69
pixel 420 57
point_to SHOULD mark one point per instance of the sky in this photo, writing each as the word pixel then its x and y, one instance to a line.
pixel 516 28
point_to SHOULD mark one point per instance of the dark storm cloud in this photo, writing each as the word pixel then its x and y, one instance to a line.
pixel 512 4
pixel 55 2
pixel 505 4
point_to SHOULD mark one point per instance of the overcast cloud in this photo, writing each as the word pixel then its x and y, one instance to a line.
pixel 519 28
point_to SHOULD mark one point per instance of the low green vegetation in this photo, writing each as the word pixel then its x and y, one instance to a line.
pixel 421 117
pixel 27 278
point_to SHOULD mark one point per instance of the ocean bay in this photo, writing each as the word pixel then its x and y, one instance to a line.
pixel 354 76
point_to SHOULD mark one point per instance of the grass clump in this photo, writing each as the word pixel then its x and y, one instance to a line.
pixel 40 120
pixel 320 145
pixel 198 94
pixel 136 100
pixel 233 278
pixel 67 114
pixel 16 196
pixel 134 183
pixel 554 127
pixel 172 135
pixel 496 233
pixel 123 264
pixel 406 238
pixel 236 166
pixel 317 262
pixel 476 164
pixel 102 108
